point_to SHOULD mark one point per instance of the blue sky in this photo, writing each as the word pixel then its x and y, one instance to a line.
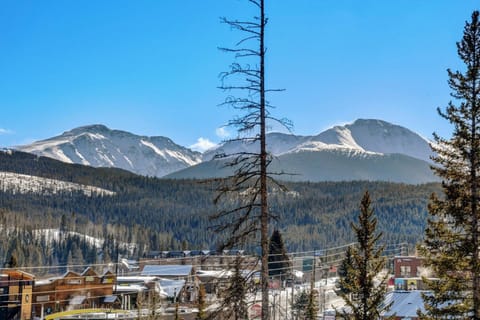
pixel 151 67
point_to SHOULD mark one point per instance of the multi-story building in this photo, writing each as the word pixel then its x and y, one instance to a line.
pixel 407 271
pixel 15 294
pixel 74 291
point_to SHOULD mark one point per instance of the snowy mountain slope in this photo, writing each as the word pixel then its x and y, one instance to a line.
pixel 51 235
pixel 329 165
pixel 22 183
pixel 383 137
pixel 277 143
pixel 99 146
pixel 363 135
pixel 392 148
pixel 362 150
pixel 349 164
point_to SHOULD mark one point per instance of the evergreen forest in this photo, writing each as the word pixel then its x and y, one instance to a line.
pixel 148 214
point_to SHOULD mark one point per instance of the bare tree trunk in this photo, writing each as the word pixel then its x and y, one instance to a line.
pixel 249 218
pixel 263 170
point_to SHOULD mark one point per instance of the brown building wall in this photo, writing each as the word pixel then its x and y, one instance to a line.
pixel 57 295
pixel 20 286
pixel 407 267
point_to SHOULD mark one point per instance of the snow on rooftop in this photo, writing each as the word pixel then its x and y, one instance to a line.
pixel 167 270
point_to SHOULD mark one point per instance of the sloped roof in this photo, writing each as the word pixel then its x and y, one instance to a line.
pixel 71 274
pixel 107 273
pixel 172 287
pixel 18 274
pixel 405 303
pixel 171 270
pixel 89 272
pixel 214 273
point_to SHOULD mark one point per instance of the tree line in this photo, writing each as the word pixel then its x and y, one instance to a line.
pixel 174 215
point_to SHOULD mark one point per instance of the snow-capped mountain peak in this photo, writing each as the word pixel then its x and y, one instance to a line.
pixel 367 149
pixel 363 135
pixel 99 146
pixel 384 137
pixel 358 147
pixel 338 137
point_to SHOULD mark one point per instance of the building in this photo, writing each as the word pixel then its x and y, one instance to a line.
pixel 407 266
pixel 135 290
pixel 405 305
pixel 204 259
pixel 74 291
pixel 15 294
pixel 408 272
pixel 176 275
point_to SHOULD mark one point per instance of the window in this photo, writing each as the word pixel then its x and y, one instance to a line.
pixel 405 270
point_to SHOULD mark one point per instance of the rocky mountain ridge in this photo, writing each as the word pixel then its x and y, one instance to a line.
pixel 367 149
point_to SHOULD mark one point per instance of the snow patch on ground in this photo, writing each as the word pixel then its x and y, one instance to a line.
pixel 22 183
pixel 179 156
pixel 317 146
pixel 154 148
pixel 128 160
pixel 58 154
pixel 96 136
pixel 169 154
pixel 84 161
pixel 56 235
pixel 105 158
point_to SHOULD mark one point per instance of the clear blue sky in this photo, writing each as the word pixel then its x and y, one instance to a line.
pixel 151 67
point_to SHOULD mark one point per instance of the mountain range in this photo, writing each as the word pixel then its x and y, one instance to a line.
pixel 99 146
pixel 367 149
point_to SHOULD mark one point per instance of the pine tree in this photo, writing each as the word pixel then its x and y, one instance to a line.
pixel 278 260
pixel 300 304
pixel 233 304
pixel 12 263
pixel 452 236
pixel 362 296
pixel 345 272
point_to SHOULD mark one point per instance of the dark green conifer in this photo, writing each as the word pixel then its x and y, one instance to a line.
pixel 363 297
pixel 299 305
pixel 452 236
pixel 278 260
pixel 12 263
pixel 233 304
pixel 345 272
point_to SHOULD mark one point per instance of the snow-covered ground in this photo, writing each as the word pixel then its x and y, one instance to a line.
pixel 22 183
pixel 57 234
pixel 281 299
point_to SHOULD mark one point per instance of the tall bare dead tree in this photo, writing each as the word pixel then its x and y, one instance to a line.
pixel 246 217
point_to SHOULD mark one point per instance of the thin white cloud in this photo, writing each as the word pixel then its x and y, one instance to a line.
pixel 222 133
pixel 5 131
pixel 202 145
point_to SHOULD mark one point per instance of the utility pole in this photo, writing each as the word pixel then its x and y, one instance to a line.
pixel 293 294
pixel 116 269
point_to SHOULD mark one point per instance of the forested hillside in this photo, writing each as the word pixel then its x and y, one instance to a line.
pixel 156 214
